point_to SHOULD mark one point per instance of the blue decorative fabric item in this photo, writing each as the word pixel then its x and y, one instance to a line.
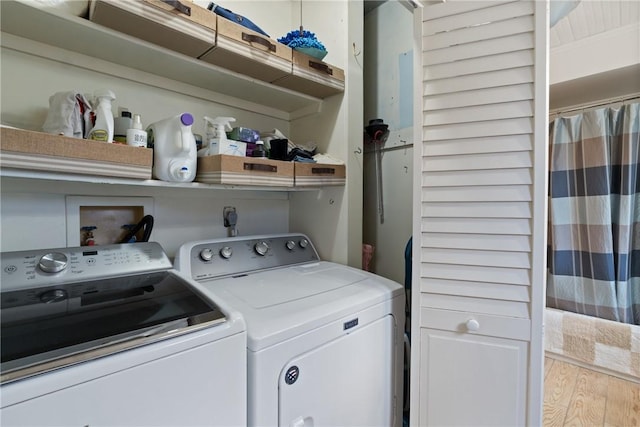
pixel 238 19
pixel 294 39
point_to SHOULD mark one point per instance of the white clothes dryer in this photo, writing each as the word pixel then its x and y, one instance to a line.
pixel 114 336
pixel 324 341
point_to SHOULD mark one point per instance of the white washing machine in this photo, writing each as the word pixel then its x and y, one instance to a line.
pixel 114 336
pixel 324 341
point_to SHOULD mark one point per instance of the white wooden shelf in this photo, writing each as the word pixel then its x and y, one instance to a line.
pixel 40 176
pixel 82 36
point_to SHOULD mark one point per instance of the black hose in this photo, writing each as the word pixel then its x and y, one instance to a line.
pixel 147 223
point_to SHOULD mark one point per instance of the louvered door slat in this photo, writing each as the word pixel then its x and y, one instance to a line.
pixel 513 276
pixel 476 257
pixel 516 159
pixel 472 34
pixel 480 113
pixel 496 291
pixel 498 226
pixel 494 193
pixel 476 305
pixel 480 241
pixel 480 65
pixel 482 48
pixel 477 17
pixel 494 144
pixel 438 11
pixel 477 209
pixel 512 76
pixel 475 178
pixel 478 97
pixel 486 128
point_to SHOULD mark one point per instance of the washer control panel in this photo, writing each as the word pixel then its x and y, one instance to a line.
pixel 238 255
pixel 50 267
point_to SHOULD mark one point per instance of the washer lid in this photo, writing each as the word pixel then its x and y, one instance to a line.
pixel 284 285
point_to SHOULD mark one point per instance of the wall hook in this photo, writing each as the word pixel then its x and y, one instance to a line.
pixel 358 151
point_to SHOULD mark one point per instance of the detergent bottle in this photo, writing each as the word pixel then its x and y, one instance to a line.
pixel 103 127
pixel 174 148
pixel 215 135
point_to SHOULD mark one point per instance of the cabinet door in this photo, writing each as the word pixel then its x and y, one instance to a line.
pixel 471 380
pixel 480 217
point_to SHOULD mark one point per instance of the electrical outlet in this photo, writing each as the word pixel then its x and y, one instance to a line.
pixel 228 210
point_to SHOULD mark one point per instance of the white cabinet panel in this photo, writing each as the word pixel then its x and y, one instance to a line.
pixel 469 380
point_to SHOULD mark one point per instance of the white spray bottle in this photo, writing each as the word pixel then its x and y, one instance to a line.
pixel 103 127
pixel 174 148
pixel 215 134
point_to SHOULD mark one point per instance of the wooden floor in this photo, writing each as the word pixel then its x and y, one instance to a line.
pixel 575 396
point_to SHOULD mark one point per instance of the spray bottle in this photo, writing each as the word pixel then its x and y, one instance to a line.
pixel 215 135
pixel 174 148
pixel 103 127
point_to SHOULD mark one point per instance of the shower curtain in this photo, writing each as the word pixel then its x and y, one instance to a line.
pixel 594 213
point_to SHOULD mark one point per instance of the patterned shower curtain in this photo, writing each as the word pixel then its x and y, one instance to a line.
pixel 594 213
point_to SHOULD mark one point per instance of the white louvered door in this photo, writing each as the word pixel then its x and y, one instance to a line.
pixel 480 226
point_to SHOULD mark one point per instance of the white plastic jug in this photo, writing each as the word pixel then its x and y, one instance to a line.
pixel 174 148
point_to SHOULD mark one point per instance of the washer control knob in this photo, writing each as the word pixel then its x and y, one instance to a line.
pixel 206 254
pixel 303 243
pixel 261 248
pixel 226 252
pixel 53 295
pixel 53 262
pixel 290 244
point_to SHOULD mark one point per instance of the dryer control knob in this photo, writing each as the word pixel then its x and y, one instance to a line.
pixel 226 252
pixel 303 243
pixel 290 244
pixel 206 254
pixel 261 248
pixel 53 262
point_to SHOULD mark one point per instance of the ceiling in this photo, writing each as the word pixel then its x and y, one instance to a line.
pixel 593 17
pixel 583 30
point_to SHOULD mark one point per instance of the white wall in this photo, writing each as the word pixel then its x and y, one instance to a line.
pixel 388 65
pixel 33 215
pixel 601 66
pixel 33 212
